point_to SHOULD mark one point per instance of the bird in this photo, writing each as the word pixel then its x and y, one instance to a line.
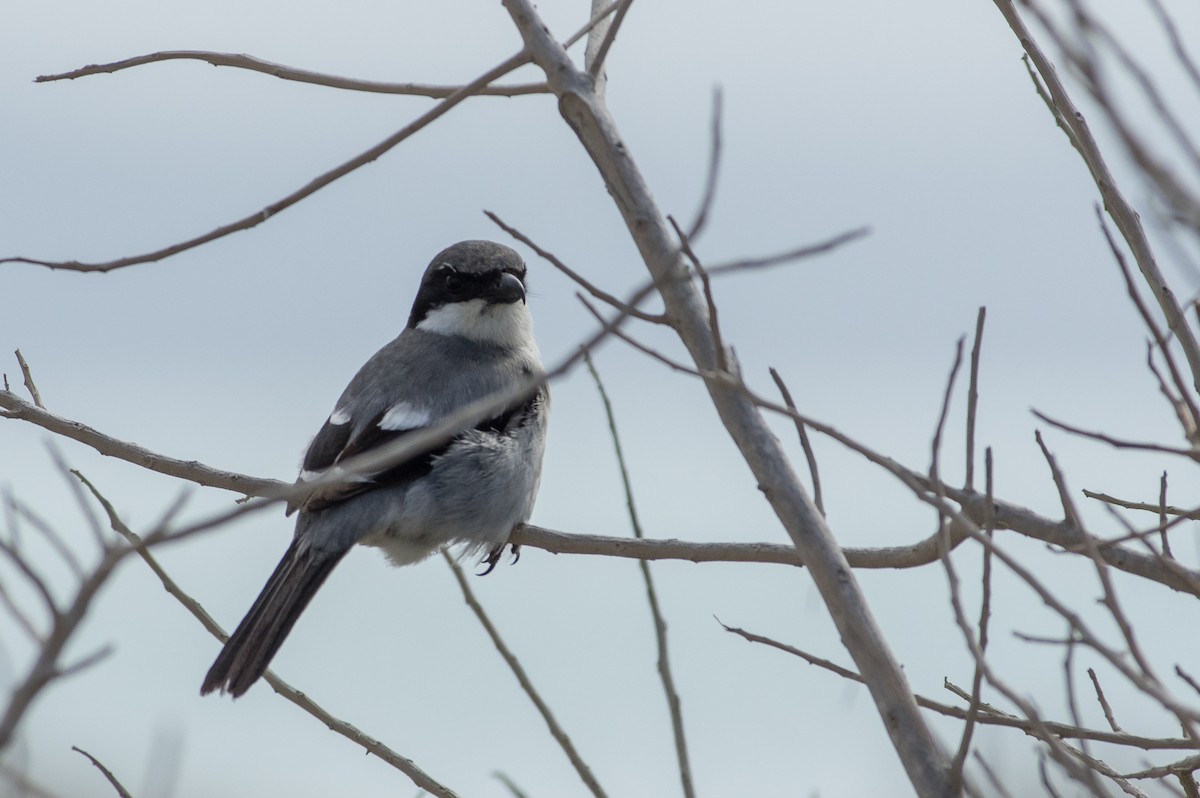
pixel 469 336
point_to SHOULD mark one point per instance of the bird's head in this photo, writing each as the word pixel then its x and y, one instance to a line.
pixel 475 289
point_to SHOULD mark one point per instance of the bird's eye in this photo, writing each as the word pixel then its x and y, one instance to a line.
pixel 454 283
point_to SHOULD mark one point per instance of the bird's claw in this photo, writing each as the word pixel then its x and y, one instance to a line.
pixel 493 558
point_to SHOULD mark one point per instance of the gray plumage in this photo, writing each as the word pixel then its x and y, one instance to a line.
pixel 469 336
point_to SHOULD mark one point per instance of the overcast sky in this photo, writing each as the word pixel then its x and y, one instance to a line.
pixel 916 119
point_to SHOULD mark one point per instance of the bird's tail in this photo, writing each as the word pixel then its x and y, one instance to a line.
pixel 250 648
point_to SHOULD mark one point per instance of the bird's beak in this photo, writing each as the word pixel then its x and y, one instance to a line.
pixel 510 289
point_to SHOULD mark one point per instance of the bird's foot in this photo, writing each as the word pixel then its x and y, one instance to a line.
pixel 493 558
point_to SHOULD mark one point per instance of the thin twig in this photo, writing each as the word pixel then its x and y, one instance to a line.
pixel 1162 517
pixel 1087 775
pixel 940 428
pixel 52 537
pixel 714 168
pixel 579 279
pixel 1180 512
pixel 973 397
pixel 985 607
pixel 1064 495
pixel 985 716
pixel 556 731
pixel 1191 682
pixel 1045 774
pixel 995 781
pixel 713 320
pixel 121 791
pixel 190 470
pixel 610 35
pixel 1177 45
pixel 674 704
pixel 1104 705
pixel 805 443
pixel 799 253
pixel 284 72
pixel 28 377
pixel 957 776
pixel 1116 443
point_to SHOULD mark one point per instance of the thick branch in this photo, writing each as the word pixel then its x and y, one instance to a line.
pixel 587 115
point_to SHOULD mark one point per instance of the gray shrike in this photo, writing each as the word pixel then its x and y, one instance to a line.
pixel 469 336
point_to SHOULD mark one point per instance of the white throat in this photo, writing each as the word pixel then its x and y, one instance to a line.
pixel 508 324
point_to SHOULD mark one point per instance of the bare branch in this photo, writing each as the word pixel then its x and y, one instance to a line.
pixel 1064 495
pixel 284 72
pixel 52 537
pixel 1188 414
pixel 1163 525
pixel 799 253
pixel 585 113
pixel 985 608
pixel 973 397
pixel 987 715
pixel 1104 705
pixel 1116 443
pixel 805 443
pixel 713 319
pixel 313 186
pixel 556 731
pixel 714 167
pixel 1177 46
pixel 370 744
pixel 910 556
pixel 121 791
pixel 595 65
pixel 579 279
pixel 923 552
pixel 674 704
pixel 1193 514
pixel 1118 207
pixel 936 443
pixel 189 470
pixel 599 15
pixel 28 377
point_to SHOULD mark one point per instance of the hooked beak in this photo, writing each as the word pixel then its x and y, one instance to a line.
pixel 510 289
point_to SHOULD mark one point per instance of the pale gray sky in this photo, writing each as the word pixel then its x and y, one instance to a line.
pixel 917 119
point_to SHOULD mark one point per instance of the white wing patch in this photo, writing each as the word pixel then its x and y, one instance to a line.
pixel 309 476
pixel 403 415
pixel 339 416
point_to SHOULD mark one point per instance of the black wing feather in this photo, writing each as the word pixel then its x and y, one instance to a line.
pixel 374 436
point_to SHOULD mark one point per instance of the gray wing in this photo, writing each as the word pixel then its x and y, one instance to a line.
pixel 414 382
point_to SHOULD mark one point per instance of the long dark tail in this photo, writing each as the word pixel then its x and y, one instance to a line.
pixel 250 648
